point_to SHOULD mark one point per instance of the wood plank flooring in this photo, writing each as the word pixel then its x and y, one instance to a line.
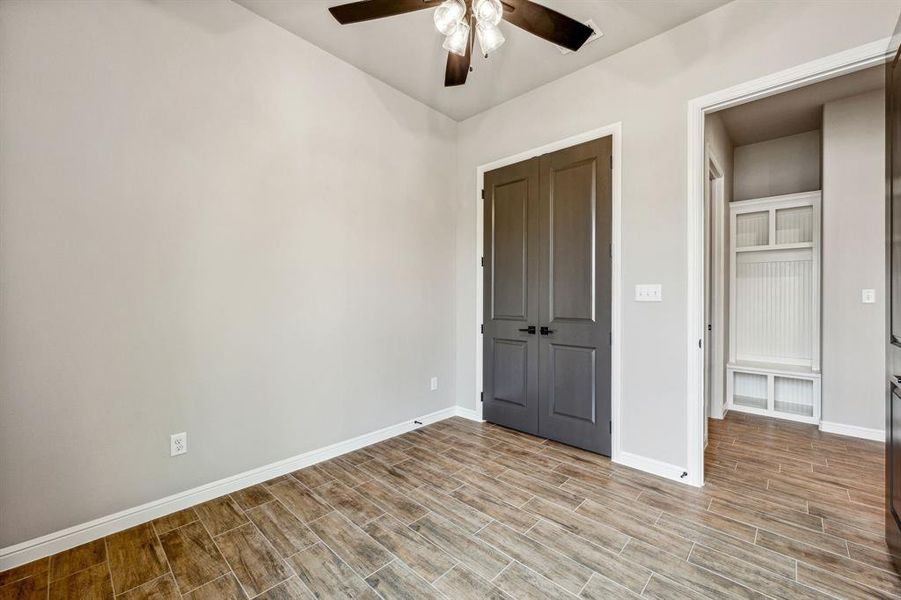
pixel 460 509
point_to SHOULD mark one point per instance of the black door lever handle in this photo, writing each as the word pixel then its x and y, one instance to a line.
pixel 546 331
pixel 530 330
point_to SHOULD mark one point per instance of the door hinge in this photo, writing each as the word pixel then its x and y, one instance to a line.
pixel 610 337
pixel 481 396
pixel 611 161
pixel 483 261
pixel 483 194
pixel 611 249
pixel 699 343
pixel 611 426
pixel 482 328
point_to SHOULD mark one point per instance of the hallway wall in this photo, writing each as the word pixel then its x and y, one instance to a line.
pixel 854 259
pixel 786 165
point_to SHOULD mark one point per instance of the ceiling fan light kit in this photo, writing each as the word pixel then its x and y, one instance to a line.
pixel 458 40
pixel 455 20
pixel 487 14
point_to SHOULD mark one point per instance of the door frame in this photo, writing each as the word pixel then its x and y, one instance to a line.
pixel 716 205
pixel 614 130
pixel 834 65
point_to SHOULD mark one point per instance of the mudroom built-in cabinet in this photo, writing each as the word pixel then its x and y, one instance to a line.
pixel 774 307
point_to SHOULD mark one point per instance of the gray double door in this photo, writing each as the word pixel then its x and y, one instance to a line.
pixel 547 285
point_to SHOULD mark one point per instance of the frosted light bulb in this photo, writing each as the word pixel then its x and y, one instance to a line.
pixel 448 14
pixel 458 40
pixel 490 37
pixel 488 11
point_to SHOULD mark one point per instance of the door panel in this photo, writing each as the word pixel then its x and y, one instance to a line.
pixel 510 231
pixel 572 241
pixel 510 355
pixel 510 372
pixel 574 354
pixel 893 255
pixel 572 391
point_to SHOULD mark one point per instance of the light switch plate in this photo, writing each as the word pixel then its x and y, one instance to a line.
pixel 868 296
pixel 649 292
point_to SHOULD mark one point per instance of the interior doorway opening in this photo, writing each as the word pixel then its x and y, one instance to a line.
pixel 787 301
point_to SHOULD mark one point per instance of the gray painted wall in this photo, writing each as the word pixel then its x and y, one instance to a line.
pixel 853 259
pixel 208 225
pixel 786 165
pixel 646 88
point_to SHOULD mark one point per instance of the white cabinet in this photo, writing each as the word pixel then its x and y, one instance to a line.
pixel 774 307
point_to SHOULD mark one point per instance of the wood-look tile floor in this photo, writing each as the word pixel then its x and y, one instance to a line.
pixel 460 509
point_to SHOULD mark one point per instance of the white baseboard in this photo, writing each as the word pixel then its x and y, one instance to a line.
pixel 652 466
pixel 24 552
pixel 468 413
pixel 877 435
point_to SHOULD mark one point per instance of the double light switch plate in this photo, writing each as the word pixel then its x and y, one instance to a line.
pixel 649 292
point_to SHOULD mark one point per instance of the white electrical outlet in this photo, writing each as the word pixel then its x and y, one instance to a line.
pixel 868 296
pixel 178 443
pixel 433 384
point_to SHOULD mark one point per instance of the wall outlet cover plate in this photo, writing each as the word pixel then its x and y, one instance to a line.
pixel 178 443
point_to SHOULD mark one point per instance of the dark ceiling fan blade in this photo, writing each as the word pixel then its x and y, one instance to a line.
pixel 546 23
pixel 366 10
pixel 457 67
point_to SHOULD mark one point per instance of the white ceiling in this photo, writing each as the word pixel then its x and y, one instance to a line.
pixel 405 51
pixel 796 111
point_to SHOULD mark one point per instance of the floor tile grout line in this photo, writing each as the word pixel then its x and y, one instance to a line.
pixel 352 524
pixel 726 576
pixel 501 572
pixel 82 570
pixel 166 554
pixel 382 567
pixel 645 586
pixel 832 593
pixel 799 561
pixel 231 569
pixel 456 562
pixel 554 583
pixel 109 567
pixel 584 585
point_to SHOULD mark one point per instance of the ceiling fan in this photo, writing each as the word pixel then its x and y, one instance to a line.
pixel 454 19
